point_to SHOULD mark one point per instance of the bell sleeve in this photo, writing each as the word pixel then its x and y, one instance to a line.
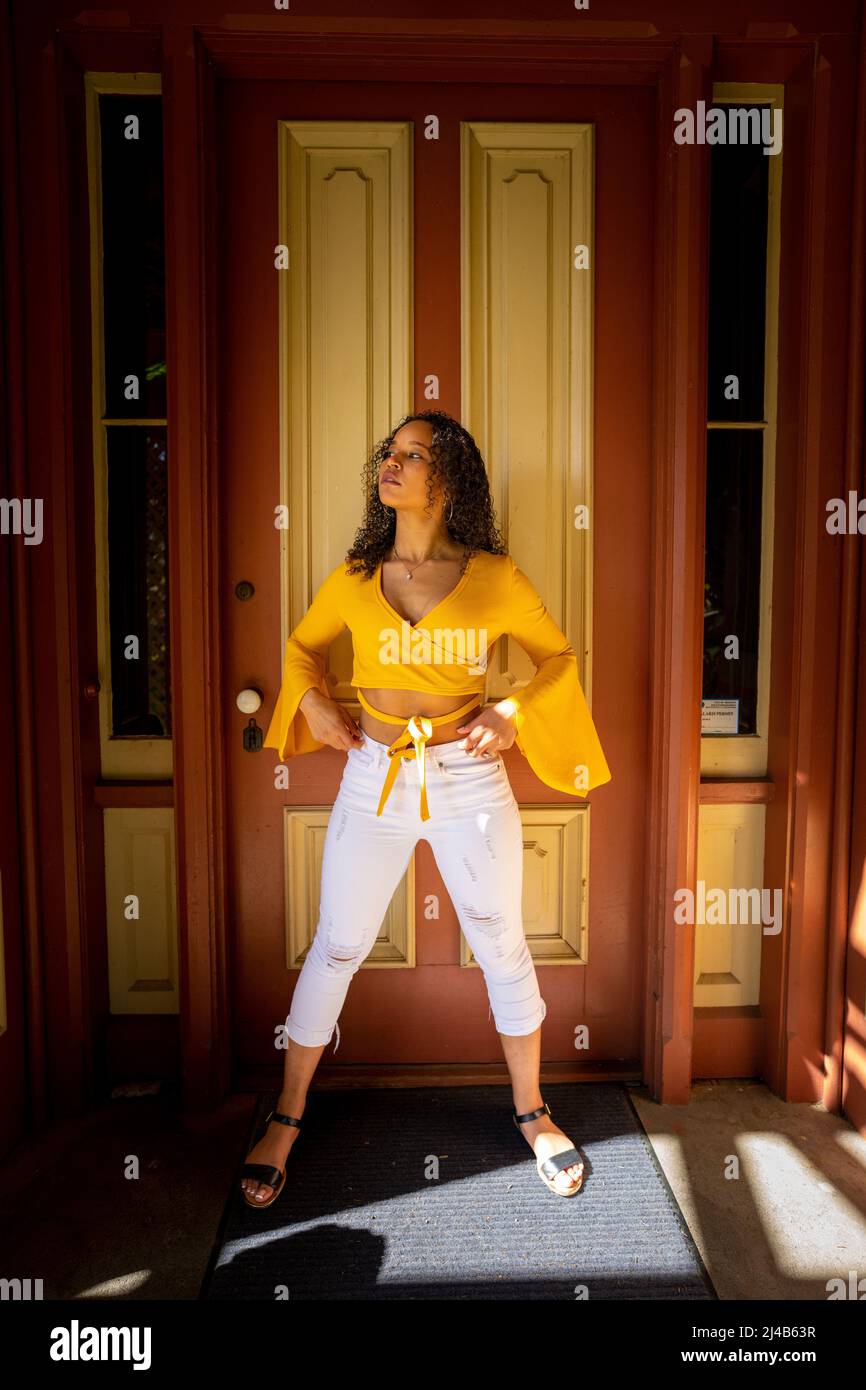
pixel 554 727
pixel 304 668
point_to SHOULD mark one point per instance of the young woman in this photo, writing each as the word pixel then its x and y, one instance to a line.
pixel 426 590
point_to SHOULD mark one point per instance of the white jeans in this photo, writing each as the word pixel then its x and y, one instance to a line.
pixel 476 836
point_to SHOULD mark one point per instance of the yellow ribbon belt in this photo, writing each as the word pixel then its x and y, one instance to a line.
pixel 413 740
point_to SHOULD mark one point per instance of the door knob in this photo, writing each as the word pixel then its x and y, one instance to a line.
pixel 249 700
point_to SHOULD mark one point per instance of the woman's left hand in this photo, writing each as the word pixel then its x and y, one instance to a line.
pixel 490 732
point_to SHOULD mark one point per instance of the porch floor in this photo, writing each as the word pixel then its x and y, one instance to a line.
pixel 794 1218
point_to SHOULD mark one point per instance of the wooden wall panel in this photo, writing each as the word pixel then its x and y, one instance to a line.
pixel 527 206
pixel 730 857
pixel 142 951
pixel 305 829
pixel 555 885
pixel 346 333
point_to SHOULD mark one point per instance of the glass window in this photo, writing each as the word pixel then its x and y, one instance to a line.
pixel 737 277
pixel 732 573
pixel 138 581
pixel 133 255
pixel 737 310
pixel 134 393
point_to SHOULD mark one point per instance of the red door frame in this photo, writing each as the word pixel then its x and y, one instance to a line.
pixel 820 305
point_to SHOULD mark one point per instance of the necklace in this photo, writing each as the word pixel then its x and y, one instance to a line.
pixel 410 573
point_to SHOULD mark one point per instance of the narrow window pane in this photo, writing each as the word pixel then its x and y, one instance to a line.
pixel 138 581
pixel 732 580
pixel 737 280
pixel 133 267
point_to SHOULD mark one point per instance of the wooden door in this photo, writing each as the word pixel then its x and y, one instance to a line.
pixel 396 210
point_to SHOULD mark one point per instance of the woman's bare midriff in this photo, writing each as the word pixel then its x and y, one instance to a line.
pixel 409 702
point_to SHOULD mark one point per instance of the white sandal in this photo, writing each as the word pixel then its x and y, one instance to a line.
pixel 548 1168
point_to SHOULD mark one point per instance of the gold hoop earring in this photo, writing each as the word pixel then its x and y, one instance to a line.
pixel 451 513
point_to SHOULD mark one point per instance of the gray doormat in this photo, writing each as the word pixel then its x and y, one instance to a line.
pixel 432 1193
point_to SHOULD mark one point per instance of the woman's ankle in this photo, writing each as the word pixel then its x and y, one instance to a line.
pixel 291 1106
pixel 530 1105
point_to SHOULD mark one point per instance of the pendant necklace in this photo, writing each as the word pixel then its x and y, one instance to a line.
pixel 410 573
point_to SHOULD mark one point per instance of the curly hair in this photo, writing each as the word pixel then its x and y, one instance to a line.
pixel 456 460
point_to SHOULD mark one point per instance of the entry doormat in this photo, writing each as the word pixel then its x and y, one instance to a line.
pixel 432 1193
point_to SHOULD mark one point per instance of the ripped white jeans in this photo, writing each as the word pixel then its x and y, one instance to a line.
pixel 476 836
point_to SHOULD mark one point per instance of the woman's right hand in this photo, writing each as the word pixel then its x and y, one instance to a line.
pixel 328 722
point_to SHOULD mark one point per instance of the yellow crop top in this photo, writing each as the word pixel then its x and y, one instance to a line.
pixel 447 652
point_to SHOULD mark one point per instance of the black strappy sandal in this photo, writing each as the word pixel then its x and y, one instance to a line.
pixel 548 1168
pixel 264 1173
